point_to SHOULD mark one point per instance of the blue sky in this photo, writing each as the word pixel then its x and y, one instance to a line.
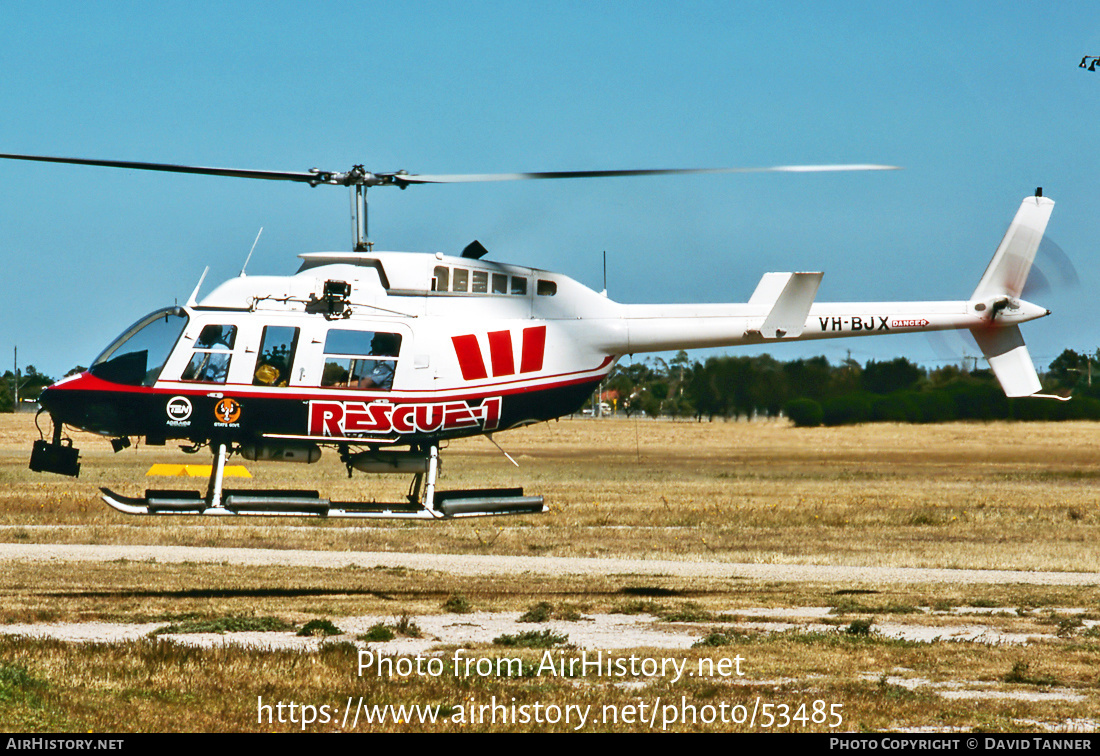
pixel 979 102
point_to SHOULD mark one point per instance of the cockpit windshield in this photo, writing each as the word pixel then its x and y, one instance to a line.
pixel 137 356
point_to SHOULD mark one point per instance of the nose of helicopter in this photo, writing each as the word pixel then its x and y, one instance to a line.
pixel 69 403
pixel 53 400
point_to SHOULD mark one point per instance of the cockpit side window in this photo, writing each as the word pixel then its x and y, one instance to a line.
pixel 360 359
pixel 137 356
pixel 213 351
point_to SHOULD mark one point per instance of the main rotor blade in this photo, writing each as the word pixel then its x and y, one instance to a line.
pixel 235 172
pixel 457 178
pixel 359 176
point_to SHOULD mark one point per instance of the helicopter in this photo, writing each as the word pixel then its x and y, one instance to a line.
pixel 385 355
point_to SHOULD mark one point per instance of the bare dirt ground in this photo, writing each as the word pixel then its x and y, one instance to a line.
pixel 484 564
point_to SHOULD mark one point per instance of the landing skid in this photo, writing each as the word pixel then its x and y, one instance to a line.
pixel 433 505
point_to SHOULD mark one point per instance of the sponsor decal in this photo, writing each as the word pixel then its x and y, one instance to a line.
pixel 178 410
pixel 226 413
pixel 349 419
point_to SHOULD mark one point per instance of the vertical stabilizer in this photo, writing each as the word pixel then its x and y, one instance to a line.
pixel 1008 270
pixel 998 295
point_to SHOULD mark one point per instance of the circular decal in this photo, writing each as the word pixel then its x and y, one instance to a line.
pixel 178 408
pixel 227 411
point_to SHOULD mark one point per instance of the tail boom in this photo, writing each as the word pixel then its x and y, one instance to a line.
pixel 658 328
pixel 782 308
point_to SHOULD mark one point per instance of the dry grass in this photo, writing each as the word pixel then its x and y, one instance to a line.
pixel 997 495
pixel 966 495
pixel 161 686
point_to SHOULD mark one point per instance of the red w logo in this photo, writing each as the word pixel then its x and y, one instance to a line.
pixel 501 354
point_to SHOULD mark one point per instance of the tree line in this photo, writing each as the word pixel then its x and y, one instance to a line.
pixel 30 383
pixel 814 392
pixel 808 391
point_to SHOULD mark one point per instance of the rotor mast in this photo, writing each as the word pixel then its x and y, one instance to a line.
pixel 360 228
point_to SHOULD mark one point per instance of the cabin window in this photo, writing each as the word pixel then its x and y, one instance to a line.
pixel 546 288
pixel 360 359
pixel 137 356
pixel 481 282
pixel 457 280
pixel 276 356
pixel 213 351
pixel 439 281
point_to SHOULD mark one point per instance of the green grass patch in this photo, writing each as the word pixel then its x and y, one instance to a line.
pixel 532 639
pixel 544 611
pixel 1021 673
pixel 319 627
pixel 379 633
pixel 17 684
pixel 860 627
pixel 456 603
pixel 540 612
pixel 851 606
pixel 226 625
pixel 404 625
pixel 639 607
pixel 720 637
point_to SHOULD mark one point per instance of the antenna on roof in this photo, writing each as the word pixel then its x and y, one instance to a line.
pixel 194 298
pixel 251 251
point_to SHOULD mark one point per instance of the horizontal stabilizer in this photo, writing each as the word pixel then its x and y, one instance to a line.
pixel 790 295
pixel 1008 270
pixel 1009 358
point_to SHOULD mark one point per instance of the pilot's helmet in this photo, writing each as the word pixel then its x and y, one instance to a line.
pixel 385 344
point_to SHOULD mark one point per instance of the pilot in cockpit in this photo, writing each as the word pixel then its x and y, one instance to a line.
pixel 379 373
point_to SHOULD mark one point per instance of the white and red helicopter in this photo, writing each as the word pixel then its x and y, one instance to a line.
pixel 384 355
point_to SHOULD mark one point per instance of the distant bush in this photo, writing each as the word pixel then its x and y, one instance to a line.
pixel 804 413
pixel 848 409
pixel 897 407
pixel 978 401
pixel 932 407
pixel 888 377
